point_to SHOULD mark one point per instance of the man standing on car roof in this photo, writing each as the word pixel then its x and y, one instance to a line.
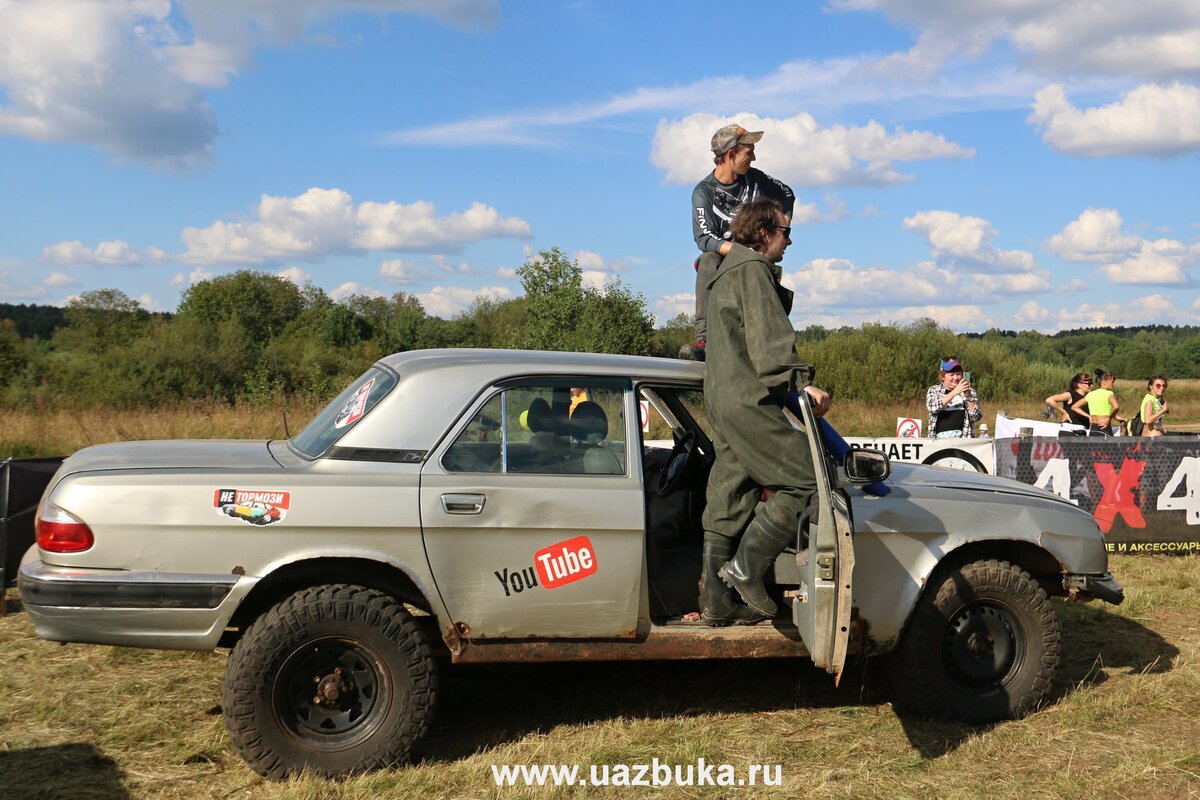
pixel 715 201
pixel 752 373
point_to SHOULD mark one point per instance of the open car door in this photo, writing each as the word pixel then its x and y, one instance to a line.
pixel 821 610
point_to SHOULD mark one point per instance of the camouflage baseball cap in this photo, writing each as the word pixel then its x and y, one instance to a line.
pixel 731 136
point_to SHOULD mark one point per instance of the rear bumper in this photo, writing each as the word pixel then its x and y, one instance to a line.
pixel 133 609
pixel 1104 587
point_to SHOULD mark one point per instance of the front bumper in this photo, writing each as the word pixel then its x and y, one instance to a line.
pixel 178 611
pixel 1086 587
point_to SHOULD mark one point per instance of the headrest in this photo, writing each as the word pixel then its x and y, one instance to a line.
pixel 589 423
pixel 540 417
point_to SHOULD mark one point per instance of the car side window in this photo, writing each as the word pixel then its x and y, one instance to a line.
pixel 554 428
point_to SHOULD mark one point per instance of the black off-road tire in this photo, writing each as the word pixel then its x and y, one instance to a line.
pixel 982 646
pixel 372 712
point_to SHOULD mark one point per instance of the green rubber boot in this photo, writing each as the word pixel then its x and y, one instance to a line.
pixel 718 606
pixel 744 573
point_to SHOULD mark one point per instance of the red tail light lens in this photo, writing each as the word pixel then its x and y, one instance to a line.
pixel 60 532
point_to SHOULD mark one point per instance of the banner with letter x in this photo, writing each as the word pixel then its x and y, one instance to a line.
pixel 1143 492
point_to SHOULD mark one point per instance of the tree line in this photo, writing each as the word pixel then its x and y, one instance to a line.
pixel 250 336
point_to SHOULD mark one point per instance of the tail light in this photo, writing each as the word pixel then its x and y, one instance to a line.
pixel 61 532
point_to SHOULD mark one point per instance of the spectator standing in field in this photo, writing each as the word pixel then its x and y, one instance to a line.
pixel 715 201
pixel 1154 406
pixel 953 405
pixel 1100 405
pixel 753 373
pixel 1064 402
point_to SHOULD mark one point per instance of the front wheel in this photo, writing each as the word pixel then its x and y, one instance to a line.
pixel 335 679
pixel 982 645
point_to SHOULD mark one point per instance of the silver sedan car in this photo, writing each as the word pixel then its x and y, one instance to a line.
pixel 504 506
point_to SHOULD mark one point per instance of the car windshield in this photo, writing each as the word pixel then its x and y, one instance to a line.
pixel 337 418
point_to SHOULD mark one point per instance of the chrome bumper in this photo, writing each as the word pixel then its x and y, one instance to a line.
pixel 178 611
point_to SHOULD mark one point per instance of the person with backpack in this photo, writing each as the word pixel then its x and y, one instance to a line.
pixel 1149 419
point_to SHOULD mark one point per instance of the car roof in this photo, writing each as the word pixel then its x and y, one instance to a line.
pixel 436 386
pixel 503 363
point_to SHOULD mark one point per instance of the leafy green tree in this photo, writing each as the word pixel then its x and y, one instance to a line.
pixel 263 304
pixel 678 331
pixel 554 300
pixel 561 314
pixel 100 319
pixel 12 351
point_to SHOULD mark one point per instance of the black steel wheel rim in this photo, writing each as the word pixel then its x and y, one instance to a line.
pixel 332 693
pixel 982 645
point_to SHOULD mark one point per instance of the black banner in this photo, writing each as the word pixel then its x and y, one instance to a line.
pixel 22 481
pixel 1143 492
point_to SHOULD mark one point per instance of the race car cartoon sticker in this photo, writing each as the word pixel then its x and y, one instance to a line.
pixel 253 506
pixel 356 406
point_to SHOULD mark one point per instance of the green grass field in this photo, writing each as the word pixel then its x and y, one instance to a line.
pixel 81 721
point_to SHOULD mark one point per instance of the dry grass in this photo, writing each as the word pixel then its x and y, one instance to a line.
pixel 79 721
pixel 60 432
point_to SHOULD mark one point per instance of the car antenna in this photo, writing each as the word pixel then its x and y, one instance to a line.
pixel 282 395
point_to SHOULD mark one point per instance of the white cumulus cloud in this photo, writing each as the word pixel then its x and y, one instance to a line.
pixel 966 242
pixel 105 254
pixel 324 222
pixel 1149 120
pixel 800 152
pixel 59 279
pixel 295 275
pixel 130 77
pixel 1095 235
pixel 447 301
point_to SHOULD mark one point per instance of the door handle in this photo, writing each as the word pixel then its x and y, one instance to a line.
pixel 463 503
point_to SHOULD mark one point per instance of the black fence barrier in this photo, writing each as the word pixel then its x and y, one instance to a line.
pixel 22 481
pixel 1143 492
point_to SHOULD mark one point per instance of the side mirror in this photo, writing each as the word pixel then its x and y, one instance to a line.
pixel 866 465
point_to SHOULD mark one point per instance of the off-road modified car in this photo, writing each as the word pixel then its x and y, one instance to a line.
pixel 468 506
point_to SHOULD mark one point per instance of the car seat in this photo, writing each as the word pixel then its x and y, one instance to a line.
pixel 589 427
pixel 547 447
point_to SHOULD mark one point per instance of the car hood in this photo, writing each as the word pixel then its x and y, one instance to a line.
pixel 924 480
pixel 216 454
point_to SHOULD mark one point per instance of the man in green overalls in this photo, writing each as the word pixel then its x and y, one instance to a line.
pixel 752 372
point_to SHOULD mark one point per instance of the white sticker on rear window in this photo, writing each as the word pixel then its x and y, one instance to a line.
pixel 355 407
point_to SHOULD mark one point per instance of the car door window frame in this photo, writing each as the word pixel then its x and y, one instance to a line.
pixel 535 381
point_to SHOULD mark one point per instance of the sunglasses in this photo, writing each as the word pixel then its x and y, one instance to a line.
pixel 1160 386
pixel 787 229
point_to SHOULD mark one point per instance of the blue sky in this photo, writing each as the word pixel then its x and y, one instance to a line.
pixel 999 163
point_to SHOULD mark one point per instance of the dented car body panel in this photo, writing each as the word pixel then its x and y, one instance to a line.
pixel 462 482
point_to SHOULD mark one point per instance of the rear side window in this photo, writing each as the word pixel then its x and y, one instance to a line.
pixel 346 410
pixel 548 428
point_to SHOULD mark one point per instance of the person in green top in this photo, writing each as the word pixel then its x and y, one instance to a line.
pixel 1154 407
pixel 1100 405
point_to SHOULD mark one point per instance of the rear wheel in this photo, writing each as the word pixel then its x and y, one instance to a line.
pixel 982 645
pixel 336 679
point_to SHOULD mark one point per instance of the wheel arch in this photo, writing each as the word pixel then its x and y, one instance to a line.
pixel 1039 562
pixel 299 575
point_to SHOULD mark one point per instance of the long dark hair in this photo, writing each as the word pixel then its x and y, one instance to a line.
pixel 1077 379
pixel 1101 376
